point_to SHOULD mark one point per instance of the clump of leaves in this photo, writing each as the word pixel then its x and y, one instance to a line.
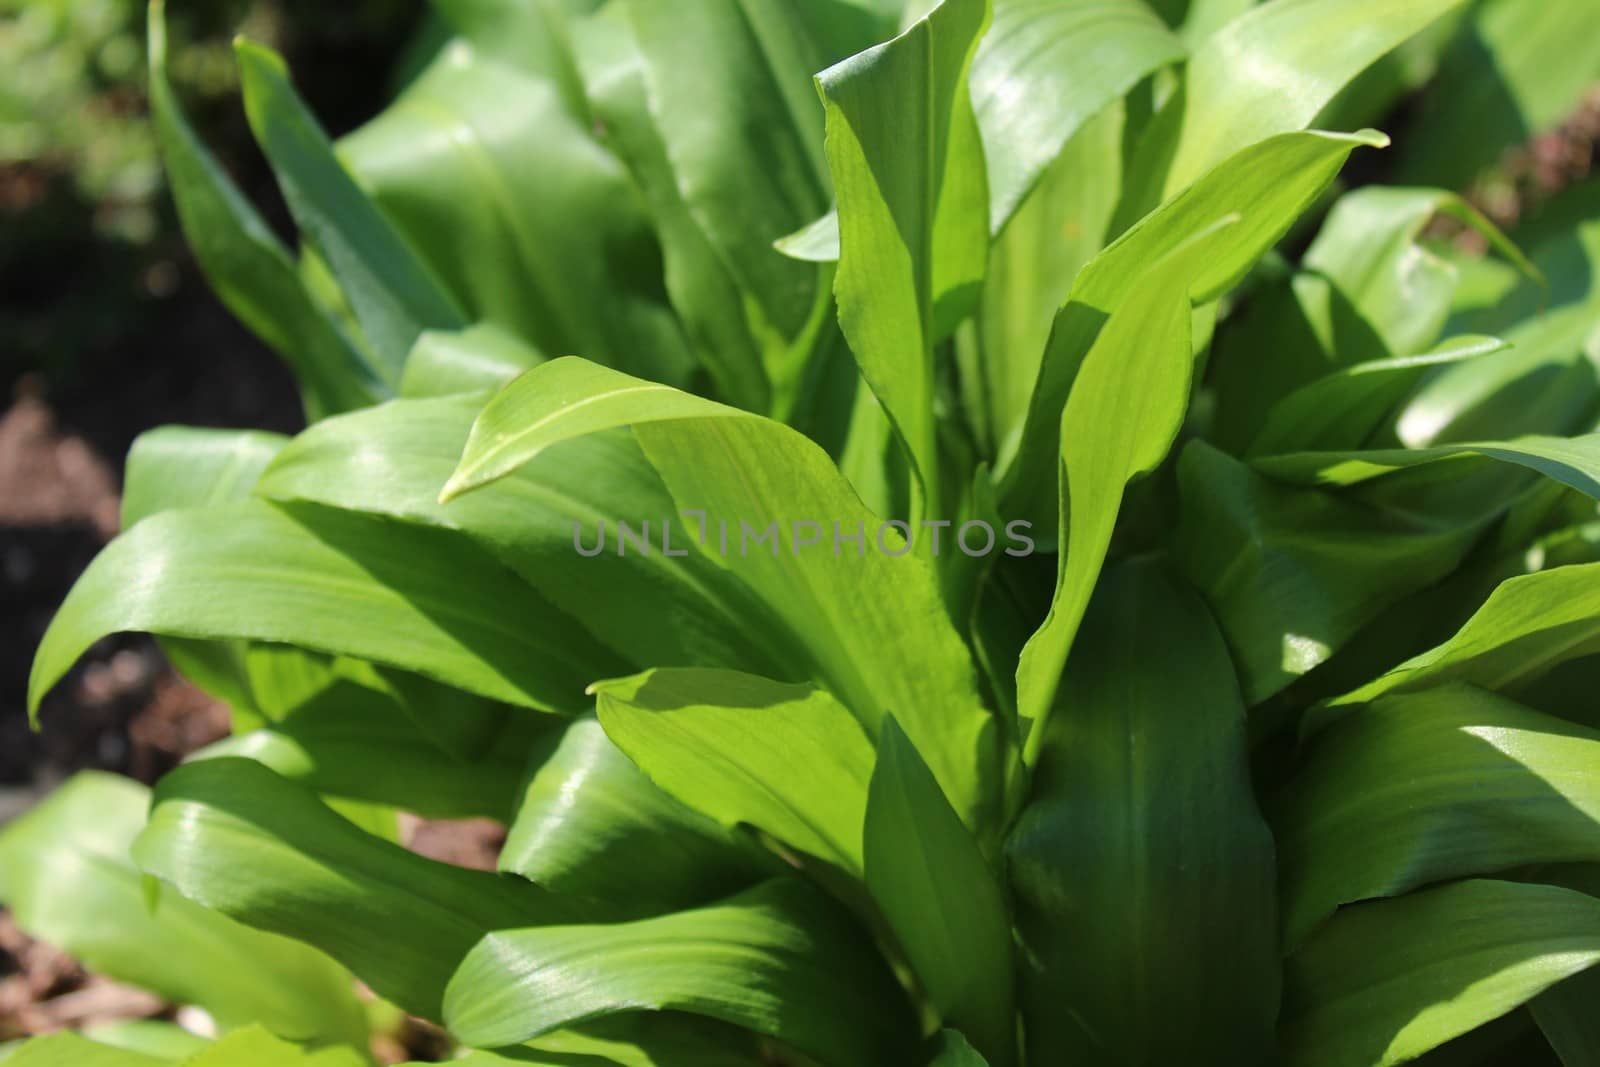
pixel 1277 749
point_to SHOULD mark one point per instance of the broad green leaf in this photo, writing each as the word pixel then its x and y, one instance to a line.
pixel 180 467
pixel 257 1048
pixel 480 357
pixel 747 477
pixel 1340 411
pixel 1378 807
pixel 1515 70
pixel 1527 626
pixel 590 823
pixel 636 1040
pixel 392 292
pixel 494 176
pixel 1368 289
pixel 743 135
pixel 66 875
pixel 1121 418
pixel 250 270
pixel 525 35
pixel 354 738
pixel 1383 982
pixel 1044 69
pixel 70 1050
pixel 1565 1014
pixel 1142 871
pixel 232 836
pixel 940 898
pixel 700 282
pixel 1056 230
pixel 1292 574
pixel 1267 186
pixel 1267 72
pixel 780 959
pixel 651 608
pixel 329 581
pixel 907 165
pixel 1572 461
pixel 788 760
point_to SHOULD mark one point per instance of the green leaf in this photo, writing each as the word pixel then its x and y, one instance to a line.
pixel 357 737
pixel 1379 806
pixel 590 823
pixel 1564 1013
pixel 334 582
pixel 651 608
pixel 484 356
pixel 1267 186
pixel 1292 574
pixel 1572 461
pixel 788 760
pixel 148 1038
pixel 1527 626
pixel 1044 69
pixel 747 476
pixel 952 1050
pixel 493 174
pixel 1267 72
pixel 1340 411
pixel 1055 231
pixel 257 1048
pixel 701 284
pixel 249 269
pixel 70 1050
pixel 180 467
pixel 779 959
pixel 232 836
pixel 1120 420
pixel 940 897
pixel 743 134
pixel 907 165
pixel 1383 982
pixel 394 295
pixel 1142 871
pixel 66 875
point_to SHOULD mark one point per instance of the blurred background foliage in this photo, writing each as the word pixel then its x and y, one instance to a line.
pixel 88 238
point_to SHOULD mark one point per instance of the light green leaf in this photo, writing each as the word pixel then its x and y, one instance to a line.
pixel 1342 410
pixel 1142 871
pixel 329 581
pixel 148 1038
pixel 231 835
pixel 1528 625
pixel 1267 72
pixel 940 898
pixel 788 760
pixel 1378 806
pixel 257 1048
pixel 1572 461
pixel 1267 186
pixel 493 173
pixel 250 270
pixel 357 737
pixel 590 823
pixel 480 357
pixel 651 608
pixel 1056 230
pixel 1293 574
pixel 907 165
pixel 780 959
pixel 1124 412
pixel 1386 981
pixel 1044 69
pixel 70 1050
pixel 753 478
pixel 180 467
pixel 393 293
pixel 66 875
